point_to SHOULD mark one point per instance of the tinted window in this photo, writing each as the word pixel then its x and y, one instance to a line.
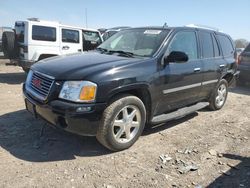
pixel 206 45
pixel 216 48
pixel 43 33
pixel 226 45
pixel 184 41
pixel 69 35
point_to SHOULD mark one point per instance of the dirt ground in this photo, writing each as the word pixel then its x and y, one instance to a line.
pixel 204 149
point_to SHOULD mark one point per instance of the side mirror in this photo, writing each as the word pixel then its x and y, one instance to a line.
pixel 176 56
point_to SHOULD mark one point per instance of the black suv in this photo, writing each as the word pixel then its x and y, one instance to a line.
pixel 138 76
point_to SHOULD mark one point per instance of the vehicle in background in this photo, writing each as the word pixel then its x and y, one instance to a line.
pixel 3 29
pixel 239 51
pixel 102 30
pixel 34 39
pixel 110 32
pixel 138 77
pixel 244 66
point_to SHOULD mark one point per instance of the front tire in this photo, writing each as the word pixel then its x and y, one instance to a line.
pixel 219 96
pixel 122 123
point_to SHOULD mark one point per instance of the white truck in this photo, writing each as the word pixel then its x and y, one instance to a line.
pixel 34 39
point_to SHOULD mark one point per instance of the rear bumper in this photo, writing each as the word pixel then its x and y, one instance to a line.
pixel 26 64
pixel 244 73
pixel 64 115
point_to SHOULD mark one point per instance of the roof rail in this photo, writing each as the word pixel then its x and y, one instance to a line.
pixel 202 27
pixel 33 19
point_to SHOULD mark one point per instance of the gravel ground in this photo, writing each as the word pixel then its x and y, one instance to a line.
pixel 204 149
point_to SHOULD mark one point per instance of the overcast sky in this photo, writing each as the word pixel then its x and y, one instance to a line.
pixel 231 17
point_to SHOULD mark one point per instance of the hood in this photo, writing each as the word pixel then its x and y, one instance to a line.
pixel 80 66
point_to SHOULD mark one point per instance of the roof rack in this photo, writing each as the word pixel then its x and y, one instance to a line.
pixel 202 27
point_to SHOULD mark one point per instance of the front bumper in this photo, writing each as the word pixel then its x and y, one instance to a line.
pixel 64 115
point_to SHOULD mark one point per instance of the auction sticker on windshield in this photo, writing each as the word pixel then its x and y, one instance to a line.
pixel 152 32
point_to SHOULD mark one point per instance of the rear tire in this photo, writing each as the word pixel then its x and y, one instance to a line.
pixel 26 70
pixel 122 123
pixel 219 96
pixel 9 43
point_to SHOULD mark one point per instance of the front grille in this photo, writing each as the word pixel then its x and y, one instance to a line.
pixel 40 85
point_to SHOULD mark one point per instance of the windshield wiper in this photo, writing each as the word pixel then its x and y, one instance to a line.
pixel 128 54
pixel 102 49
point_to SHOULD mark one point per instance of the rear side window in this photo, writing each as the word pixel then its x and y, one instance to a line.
pixel 184 41
pixel 207 45
pixel 69 35
pixel 226 45
pixel 43 33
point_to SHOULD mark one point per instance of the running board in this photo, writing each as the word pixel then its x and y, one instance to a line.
pixel 178 113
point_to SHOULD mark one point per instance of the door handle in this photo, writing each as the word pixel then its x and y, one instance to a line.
pixel 222 66
pixel 65 47
pixel 197 69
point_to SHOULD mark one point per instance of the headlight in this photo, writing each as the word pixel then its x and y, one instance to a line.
pixel 78 91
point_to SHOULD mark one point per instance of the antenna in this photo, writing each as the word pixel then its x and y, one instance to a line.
pixel 86 17
pixel 165 25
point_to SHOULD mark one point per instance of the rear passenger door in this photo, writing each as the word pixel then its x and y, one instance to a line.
pixel 213 61
pixel 71 41
pixel 211 58
pixel 182 81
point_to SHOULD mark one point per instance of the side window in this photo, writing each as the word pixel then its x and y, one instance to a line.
pixel 184 41
pixel 226 45
pixel 206 45
pixel 43 33
pixel 69 35
pixel 216 47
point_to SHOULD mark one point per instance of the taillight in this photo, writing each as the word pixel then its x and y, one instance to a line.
pixel 238 60
pixel 25 49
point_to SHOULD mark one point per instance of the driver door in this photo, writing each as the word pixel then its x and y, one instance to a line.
pixel 181 80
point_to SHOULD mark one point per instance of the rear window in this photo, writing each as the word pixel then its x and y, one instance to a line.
pixel 226 45
pixel 43 33
pixel 207 45
pixel 92 36
pixel 71 36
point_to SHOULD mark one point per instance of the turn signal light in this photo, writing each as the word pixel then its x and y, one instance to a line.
pixel 88 93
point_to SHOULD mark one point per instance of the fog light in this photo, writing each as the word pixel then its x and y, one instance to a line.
pixel 84 109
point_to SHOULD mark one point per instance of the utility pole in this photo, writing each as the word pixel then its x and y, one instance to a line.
pixel 86 17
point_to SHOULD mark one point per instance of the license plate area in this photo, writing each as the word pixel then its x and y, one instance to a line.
pixel 30 107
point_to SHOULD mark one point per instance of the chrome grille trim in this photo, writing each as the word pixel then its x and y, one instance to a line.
pixel 46 82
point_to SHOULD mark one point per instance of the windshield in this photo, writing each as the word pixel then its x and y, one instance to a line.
pixel 139 42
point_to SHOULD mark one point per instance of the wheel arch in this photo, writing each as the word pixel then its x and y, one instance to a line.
pixel 141 91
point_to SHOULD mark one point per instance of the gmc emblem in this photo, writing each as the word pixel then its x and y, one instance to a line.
pixel 37 83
